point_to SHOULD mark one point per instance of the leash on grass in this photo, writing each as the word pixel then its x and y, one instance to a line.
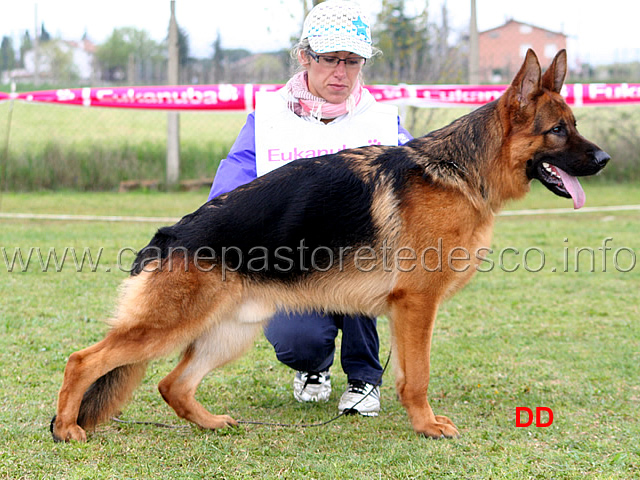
pixel 270 424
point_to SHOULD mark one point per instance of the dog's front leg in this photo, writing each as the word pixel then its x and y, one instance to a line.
pixel 413 317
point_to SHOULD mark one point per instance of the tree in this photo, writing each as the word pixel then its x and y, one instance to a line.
pixel 25 45
pixel 394 30
pixel 218 58
pixel 113 55
pixel 7 54
pixel 183 47
pixel 44 35
pixel 127 45
pixel 400 38
pixel 59 57
pixel 415 49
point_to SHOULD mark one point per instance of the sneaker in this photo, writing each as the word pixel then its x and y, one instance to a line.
pixel 360 397
pixel 312 386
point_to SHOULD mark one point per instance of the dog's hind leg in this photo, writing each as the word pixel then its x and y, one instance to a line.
pixel 221 344
pixel 124 351
pixel 158 313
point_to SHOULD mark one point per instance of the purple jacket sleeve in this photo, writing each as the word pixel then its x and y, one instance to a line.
pixel 403 134
pixel 240 165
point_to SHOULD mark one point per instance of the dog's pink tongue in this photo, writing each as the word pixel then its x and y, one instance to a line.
pixel 574 188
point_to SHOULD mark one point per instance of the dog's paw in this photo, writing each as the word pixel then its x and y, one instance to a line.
pixel 441 428
pixel 219 421
pixel 60 434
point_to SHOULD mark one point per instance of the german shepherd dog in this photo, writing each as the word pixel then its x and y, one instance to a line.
pixel 208 284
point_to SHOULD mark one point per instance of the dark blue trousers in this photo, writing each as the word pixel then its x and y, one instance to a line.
pixel 306 342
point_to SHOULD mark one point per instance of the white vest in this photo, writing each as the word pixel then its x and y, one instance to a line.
pixel 282 136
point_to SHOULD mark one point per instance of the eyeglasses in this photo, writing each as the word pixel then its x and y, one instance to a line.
pixel 329 61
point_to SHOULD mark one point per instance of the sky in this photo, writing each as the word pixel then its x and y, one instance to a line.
pixel 599 32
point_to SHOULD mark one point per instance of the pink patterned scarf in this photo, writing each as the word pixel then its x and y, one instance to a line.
pixel 303 103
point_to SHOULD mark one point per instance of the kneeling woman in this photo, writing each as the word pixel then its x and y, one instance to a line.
pixel 322 109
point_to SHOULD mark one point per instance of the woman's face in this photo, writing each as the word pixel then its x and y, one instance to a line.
pixel 333 83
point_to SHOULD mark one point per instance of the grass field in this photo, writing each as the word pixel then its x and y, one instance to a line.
pixel 58 147
pixel 566 340
pixel 65 147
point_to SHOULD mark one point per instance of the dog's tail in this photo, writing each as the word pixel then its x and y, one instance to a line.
pixel 109 393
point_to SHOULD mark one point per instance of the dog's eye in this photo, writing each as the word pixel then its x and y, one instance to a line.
pixel 558 130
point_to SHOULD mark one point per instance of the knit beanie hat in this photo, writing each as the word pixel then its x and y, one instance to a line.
pixel 338 25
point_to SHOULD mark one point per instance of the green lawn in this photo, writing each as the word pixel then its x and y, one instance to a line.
pixel 93 149
pixel 66 147
pixel 32 125
pixel 566 340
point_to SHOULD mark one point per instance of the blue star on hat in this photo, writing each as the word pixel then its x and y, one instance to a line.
pixel 361 28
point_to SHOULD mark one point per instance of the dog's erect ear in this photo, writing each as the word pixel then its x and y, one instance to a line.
pixel 526 84
pixel 553 78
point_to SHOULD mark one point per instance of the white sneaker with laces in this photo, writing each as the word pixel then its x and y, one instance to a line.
pixel 360 397
pixel 312 386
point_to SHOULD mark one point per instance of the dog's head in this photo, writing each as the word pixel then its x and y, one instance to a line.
pixel 544 141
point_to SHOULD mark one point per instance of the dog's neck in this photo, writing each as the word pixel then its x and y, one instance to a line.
pixel 468 168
